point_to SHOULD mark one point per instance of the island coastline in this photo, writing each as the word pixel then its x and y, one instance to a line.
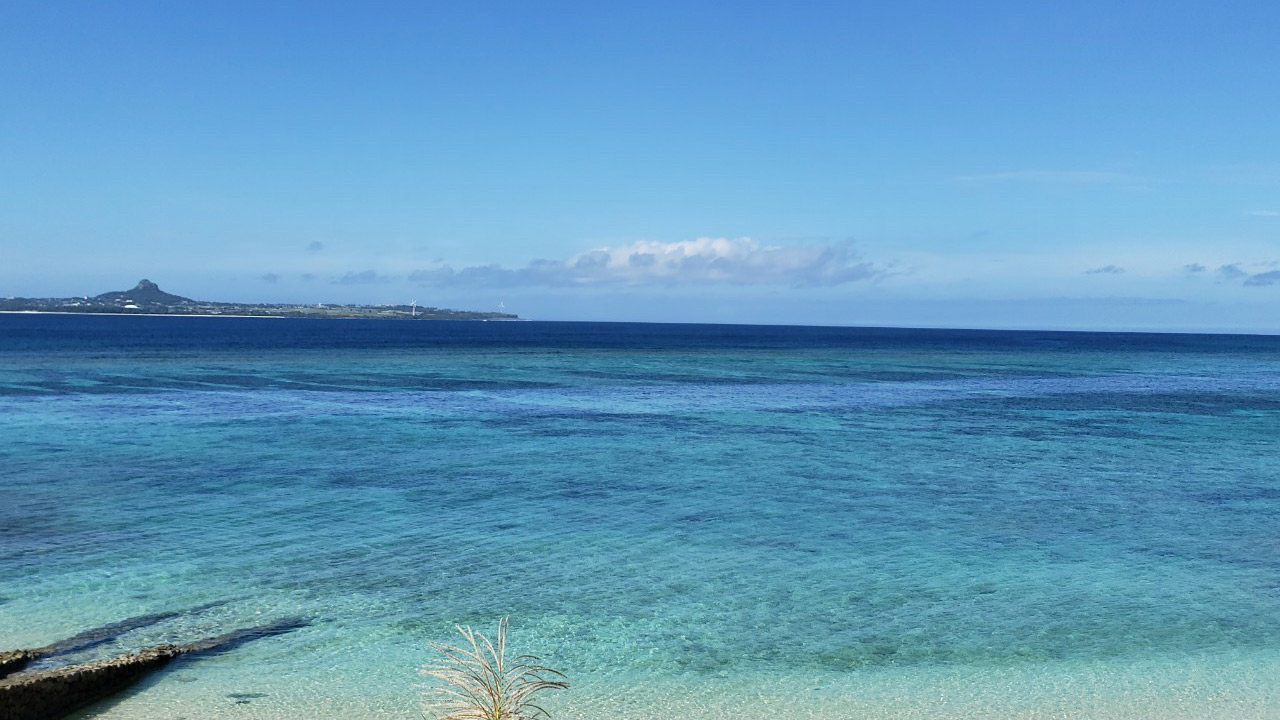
pixel 147 299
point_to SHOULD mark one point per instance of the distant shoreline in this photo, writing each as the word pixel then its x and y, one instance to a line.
pixel 119 314
pixel 265 317
pixel 147 299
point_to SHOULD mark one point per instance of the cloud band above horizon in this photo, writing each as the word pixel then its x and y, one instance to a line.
pixel 704 261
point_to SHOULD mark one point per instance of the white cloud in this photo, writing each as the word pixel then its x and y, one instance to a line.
pixel 1105 270
pixel 366 277
pixel 734 261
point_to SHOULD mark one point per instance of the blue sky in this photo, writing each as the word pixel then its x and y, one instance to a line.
pixel 995 164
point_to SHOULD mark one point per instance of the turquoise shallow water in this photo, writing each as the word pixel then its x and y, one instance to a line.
pixel 690 521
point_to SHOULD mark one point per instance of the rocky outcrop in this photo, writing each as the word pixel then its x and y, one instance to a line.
pixel 51 694
pixel 11 661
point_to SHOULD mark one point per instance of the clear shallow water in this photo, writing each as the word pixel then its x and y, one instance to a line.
pixel 690 520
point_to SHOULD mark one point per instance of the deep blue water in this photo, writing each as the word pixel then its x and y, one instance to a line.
pixel 711 521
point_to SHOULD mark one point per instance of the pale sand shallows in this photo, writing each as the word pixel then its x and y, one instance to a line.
pixel 1236 687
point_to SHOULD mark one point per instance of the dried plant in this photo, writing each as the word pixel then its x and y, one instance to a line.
pixel 480 683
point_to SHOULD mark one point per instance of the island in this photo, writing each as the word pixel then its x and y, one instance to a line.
pixel 146 298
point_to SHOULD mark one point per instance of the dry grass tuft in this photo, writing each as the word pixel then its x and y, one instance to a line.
pixel 480 683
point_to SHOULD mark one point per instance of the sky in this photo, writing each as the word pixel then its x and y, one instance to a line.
pixel 1083 165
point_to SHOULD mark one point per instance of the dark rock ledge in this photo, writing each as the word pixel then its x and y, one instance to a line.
pixel 12 661
pixel 51 694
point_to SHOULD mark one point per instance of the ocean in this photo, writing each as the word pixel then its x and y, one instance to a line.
pixel 690 521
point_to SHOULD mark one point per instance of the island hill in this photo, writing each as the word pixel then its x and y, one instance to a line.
pixel 146 298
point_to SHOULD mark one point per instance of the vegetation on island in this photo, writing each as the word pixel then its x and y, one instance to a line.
pixel 146 298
